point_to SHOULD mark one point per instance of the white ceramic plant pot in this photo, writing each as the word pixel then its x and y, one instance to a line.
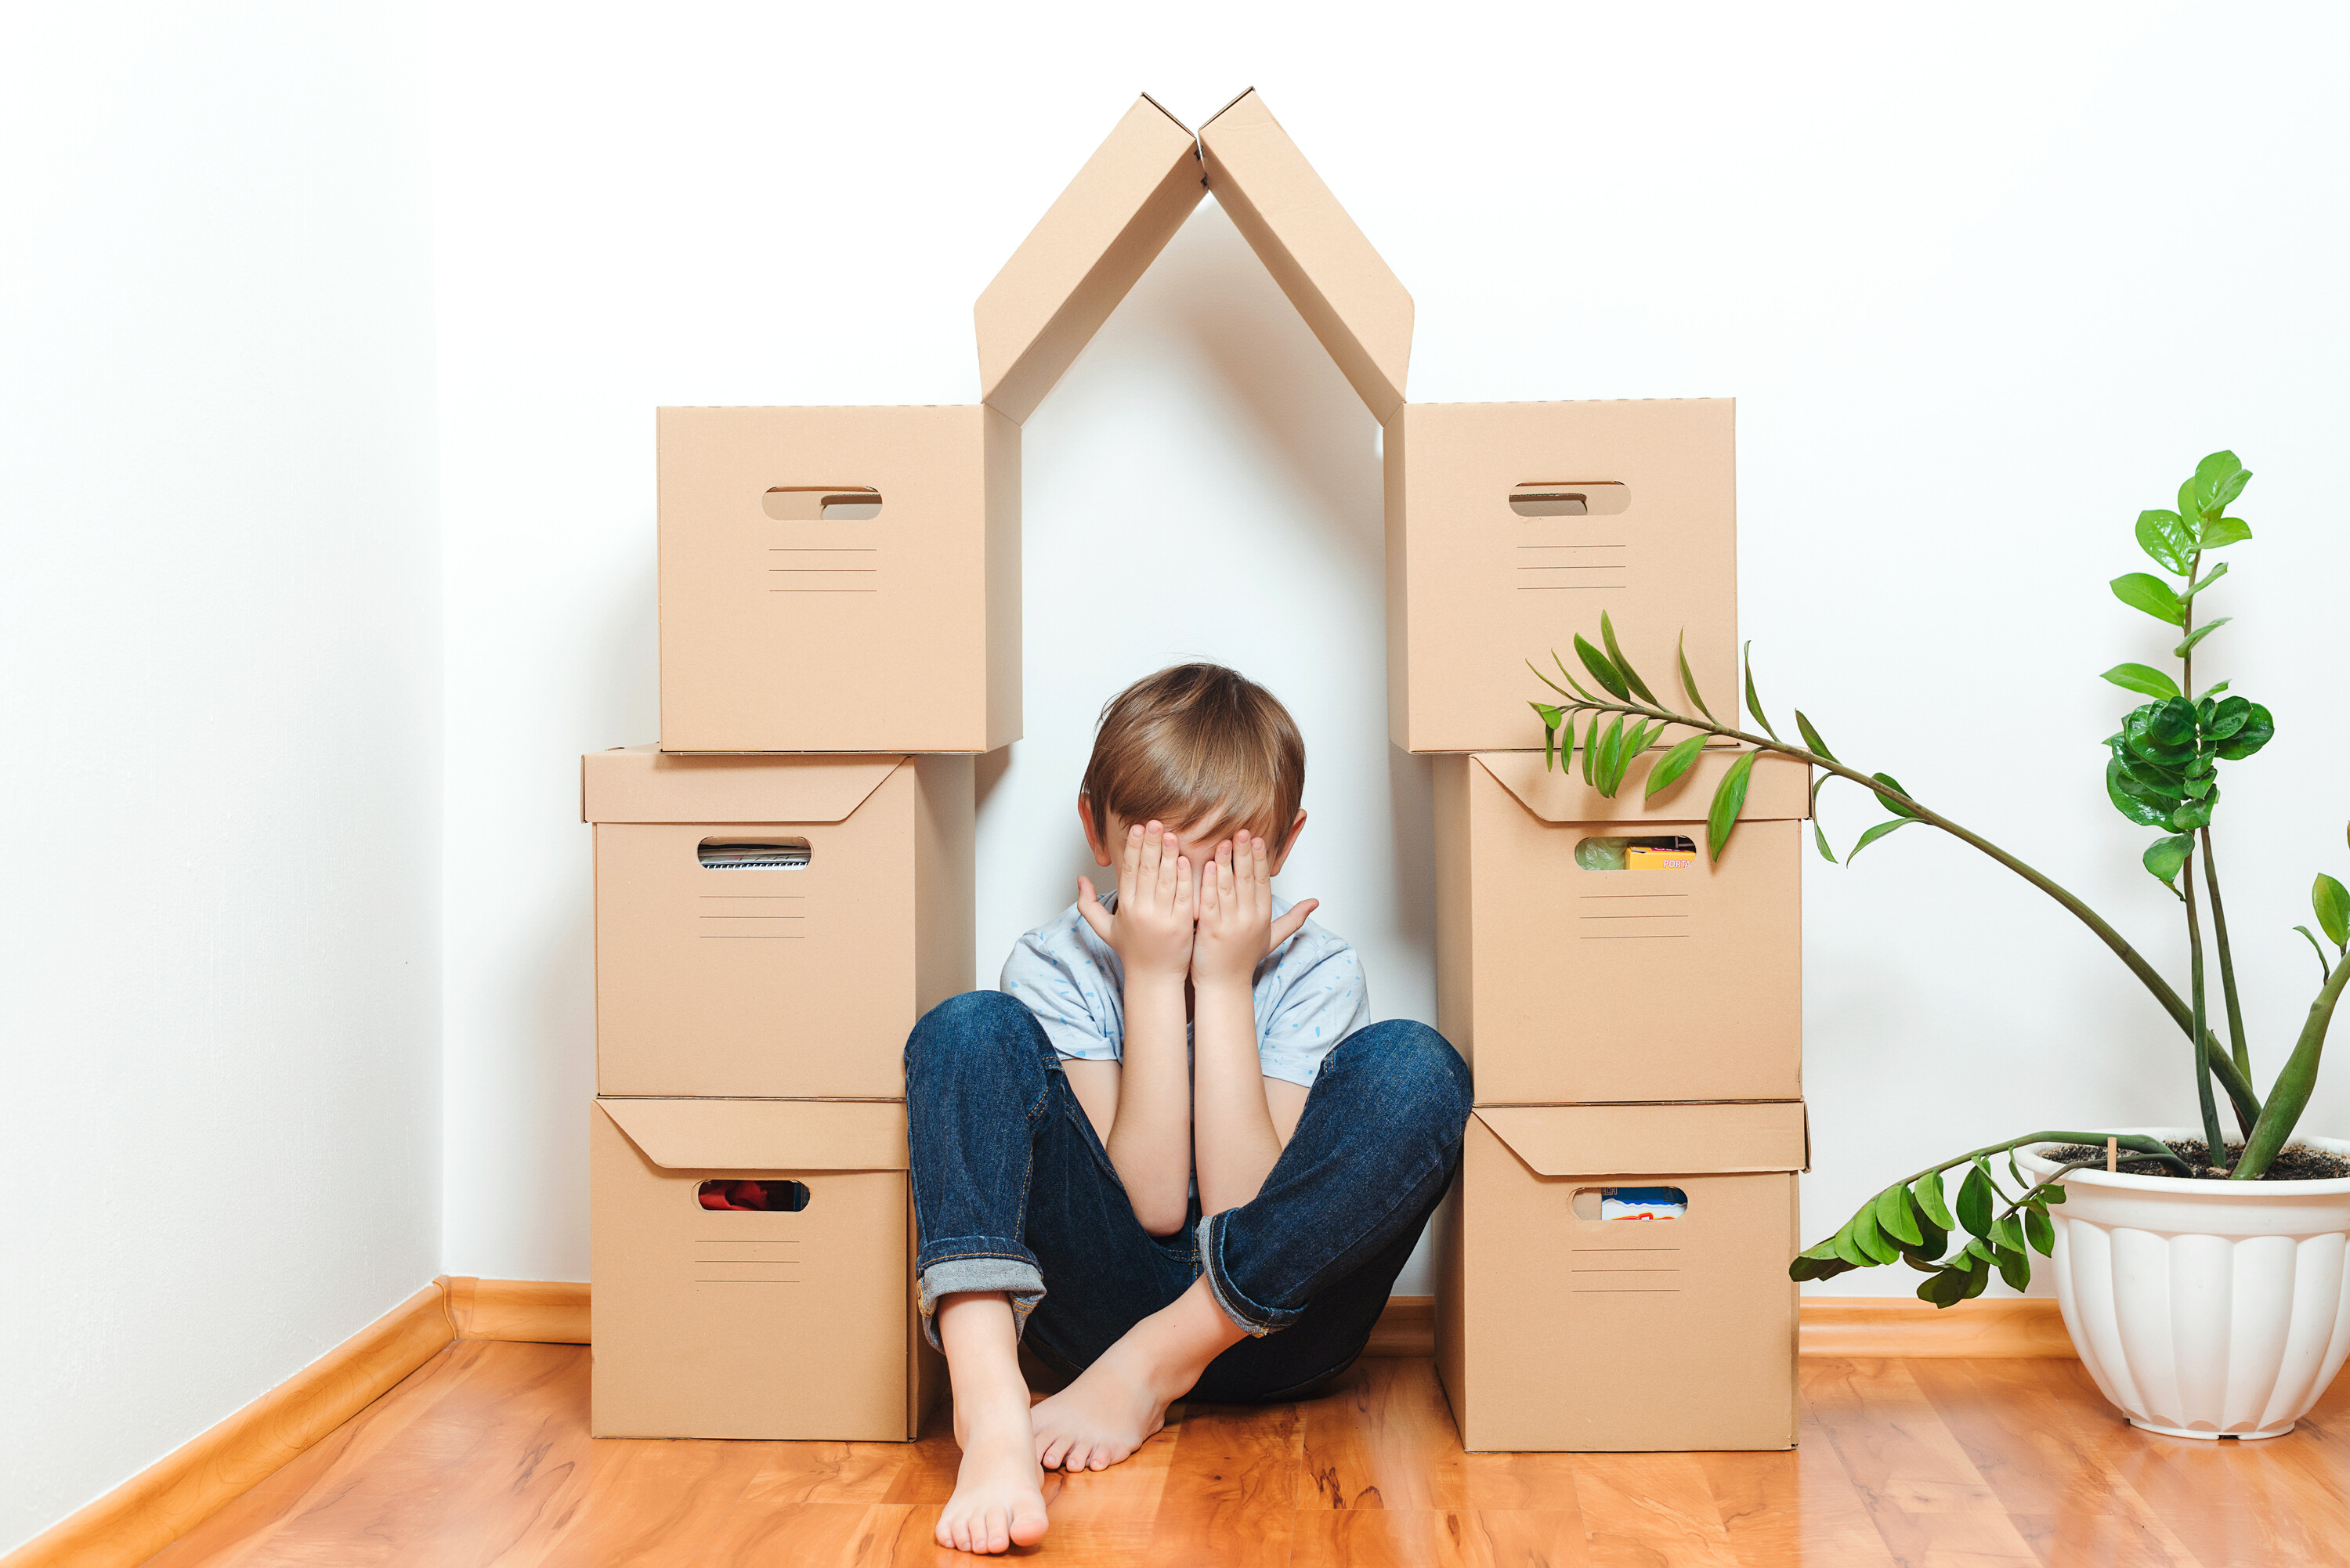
pixel 2204 1309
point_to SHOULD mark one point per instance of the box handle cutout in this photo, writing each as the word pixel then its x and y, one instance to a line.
pixel 1668 853
pixel 1570 498
pixel 754 1197
pixel 822 503
pixel 1614 1203
pixel 754 855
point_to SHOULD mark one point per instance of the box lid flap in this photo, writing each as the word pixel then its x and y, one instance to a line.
pixel 1779 789
pixel 1679 1139
pixel 644 783
pixel 1355 306
pixel 765 1135
pixel 1098 237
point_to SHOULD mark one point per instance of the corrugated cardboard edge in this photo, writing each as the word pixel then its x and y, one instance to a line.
pixel 197 1479
pixel 1000 441
pixel 1097 239
pixel 673 1132
pixel 945 906
pixel 618 802
pixel 1779 789
pixel 1745 1137
pixel 1352 300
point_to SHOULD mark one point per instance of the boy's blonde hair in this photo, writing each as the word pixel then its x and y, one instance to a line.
pixel 1197 746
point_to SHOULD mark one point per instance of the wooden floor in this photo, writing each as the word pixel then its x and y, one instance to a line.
pixel 483 1457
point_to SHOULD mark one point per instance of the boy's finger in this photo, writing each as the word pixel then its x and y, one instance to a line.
pixel 1287 926
pixel 1146 867
pixel 1129 859
pixel 1089 905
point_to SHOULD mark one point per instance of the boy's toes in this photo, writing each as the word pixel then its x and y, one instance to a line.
pixel 1027 1524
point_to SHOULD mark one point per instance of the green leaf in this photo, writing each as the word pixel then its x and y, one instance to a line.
pixel 2198 635
pixel 2164 857
pixel 1977 1281
pixel 1820 837
pixel 1602 670
pixel 2220 532
pixel 1608 747
pixel 2015 1268
pixel 1873 835
pixel 2006 1232
pixel 1568 675
pixel 2219 479
pixel 1974 1201
pixel 2040 1230
pixel 2143 678
pixel 2332 902
pixel 1590 748
pixel 1550 745
pixel 1893 1216
pixel 1689 682
pixel 2259 729
pixel 1754 703
pixel 1623 665
pixel 2164 535
pixel 1849 1250
pixel 2324 970
pixel 1928 1190
pixel 1870 1240
pixel 1896 807
pixel 1948 1288
pixel 1812 736
pixel 1672 765
pixel 1729 798
pixel 2145 591
pixel 2213 575
pixel 2217 686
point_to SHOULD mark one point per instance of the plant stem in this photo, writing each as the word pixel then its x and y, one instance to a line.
pixel 2289 1095
pixel 2243 1057
pixel 2215 1150
pixel 2238 1086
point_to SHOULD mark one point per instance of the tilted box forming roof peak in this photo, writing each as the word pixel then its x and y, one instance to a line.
pixel 1104 232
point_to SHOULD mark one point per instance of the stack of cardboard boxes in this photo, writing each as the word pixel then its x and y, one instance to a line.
pixel 784 885
pixel 1613 1277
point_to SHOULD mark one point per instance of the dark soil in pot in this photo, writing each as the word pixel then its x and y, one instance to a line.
pixel 2294 1162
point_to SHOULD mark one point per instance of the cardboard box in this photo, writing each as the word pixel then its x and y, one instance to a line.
pixel 1127 202
pixel 1560 984
pixel 794 980
pixel 793 1324
pixel 840 579
pixel 1557 1330
pixel 1511 526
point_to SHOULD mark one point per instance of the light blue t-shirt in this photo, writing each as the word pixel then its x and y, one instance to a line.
pixel 1309 993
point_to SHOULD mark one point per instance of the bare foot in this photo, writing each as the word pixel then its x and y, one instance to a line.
pixel 999 1499
pixel 1101 1418
pixel 1121 1399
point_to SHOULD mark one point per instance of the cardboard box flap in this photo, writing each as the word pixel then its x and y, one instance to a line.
pixel 1098 237
pixel 1655 1139
pixel 644 783
pixel 1779 789
pixel 765 1135
pixel 1355 306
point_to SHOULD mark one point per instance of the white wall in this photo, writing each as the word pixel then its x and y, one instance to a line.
pixel 219 683
pixel 1985 285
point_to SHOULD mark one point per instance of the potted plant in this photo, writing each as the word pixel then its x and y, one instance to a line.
pixel 2201 1275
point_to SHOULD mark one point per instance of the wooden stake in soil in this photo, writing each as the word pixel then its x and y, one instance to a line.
pixel 2113 1155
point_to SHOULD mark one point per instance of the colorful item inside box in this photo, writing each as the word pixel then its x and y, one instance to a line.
pixel 756 1196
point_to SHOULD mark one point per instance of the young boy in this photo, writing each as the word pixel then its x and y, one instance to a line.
pixel 1168 1149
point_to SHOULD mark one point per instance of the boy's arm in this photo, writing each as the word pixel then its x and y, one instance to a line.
pixel 1233 1129
pixel 1149 1137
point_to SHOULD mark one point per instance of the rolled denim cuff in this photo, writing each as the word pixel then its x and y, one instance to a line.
pixel 974 1267
pixel 1254 1318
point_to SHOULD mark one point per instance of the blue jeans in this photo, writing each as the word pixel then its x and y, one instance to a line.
pixel 1013 1192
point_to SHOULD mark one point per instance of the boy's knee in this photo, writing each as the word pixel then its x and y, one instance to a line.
pixel 1420 1073
pixel 975 1021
